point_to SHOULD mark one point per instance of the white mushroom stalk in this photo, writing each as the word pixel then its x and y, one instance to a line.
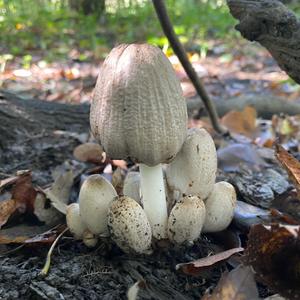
pixel 154 198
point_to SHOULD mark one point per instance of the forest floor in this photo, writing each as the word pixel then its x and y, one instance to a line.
pixel 246 159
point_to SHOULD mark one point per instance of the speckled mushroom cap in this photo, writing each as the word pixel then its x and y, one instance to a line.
pixel 129 226
pixel 186 220
pixel 193 171
pixel 219 207
pixel 138 109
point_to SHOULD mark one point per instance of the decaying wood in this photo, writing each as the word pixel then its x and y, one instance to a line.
pixel 266 106
pixel 22 118
pixel 274 26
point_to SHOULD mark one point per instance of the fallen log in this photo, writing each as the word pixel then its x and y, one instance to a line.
pixel 22 118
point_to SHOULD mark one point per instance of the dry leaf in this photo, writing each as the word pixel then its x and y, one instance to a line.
pixel 89 152
pixel 25 234
pixel 239 284
pixel 291 165
pixel 45 212
pixel 241 122
pixel 59 192
pixel 7 181
pixel 274 253
pixel 198 266
pixel 24 193
pixel 132 293
pixel 22 198
pixel 7 208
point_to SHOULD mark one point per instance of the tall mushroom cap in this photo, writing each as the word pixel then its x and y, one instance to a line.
pixel 193 171
pixel 138 110
pixel 95 197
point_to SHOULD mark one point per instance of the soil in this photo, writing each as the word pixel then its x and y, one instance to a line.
pixel 105 273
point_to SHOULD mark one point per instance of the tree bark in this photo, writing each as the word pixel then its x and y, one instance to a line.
pixel 274 26
pixel 22 118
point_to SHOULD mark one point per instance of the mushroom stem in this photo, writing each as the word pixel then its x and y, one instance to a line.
pixel 154 199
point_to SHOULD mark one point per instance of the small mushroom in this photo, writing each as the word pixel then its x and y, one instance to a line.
pixel 132 186
pixel 138 112
pixel 129 226
pixel 95 197
pixel 74 222
pixel 186 220
pixel 77 227
pixel 89 152
pixel 193 171
pixel 219 207
pixel 89 239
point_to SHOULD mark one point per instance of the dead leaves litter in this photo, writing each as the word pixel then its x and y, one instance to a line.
pixel 239 284
pixel 291 165
pixel 274 253
pixel 196 267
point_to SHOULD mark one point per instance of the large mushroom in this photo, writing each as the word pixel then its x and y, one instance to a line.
pixel 138 112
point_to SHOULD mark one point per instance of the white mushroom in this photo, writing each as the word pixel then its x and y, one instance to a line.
pixel 74 222
pixel 219 207
pixel 95 197
pixel 138 111
pixel 77 227
pixel 186 220
pixel 89 239
pixel 132 186
pixel 193 171
pixel 129 226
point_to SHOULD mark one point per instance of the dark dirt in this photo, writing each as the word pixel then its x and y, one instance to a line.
pixel 106 273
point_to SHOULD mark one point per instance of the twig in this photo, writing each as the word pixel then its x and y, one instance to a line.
pixel 178 49
pixel 45 270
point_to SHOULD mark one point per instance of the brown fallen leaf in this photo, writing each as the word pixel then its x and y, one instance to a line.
pixel 29 235
pixel 59 192
pixel 274 253
pixel 22 198
pixel 239 284
pixel 7 208
pixel 7 181
pixel 89 152
pixel 291 165
pixel 198 266
pixel 241 122
pixel 24 193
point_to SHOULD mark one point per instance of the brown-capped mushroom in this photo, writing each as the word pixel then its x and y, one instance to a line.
pixel 138 112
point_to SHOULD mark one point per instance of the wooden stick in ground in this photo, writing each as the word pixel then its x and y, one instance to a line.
pixel 178 49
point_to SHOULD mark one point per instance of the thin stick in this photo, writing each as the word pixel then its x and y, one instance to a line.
pixel 178 49
pixel 45 270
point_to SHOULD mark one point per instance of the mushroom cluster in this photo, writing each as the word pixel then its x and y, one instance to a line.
pixel 138 112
